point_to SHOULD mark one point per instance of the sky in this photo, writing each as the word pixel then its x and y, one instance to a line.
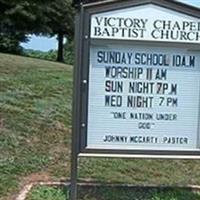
pixel 46 44
pixel 40 43
pixel 191 2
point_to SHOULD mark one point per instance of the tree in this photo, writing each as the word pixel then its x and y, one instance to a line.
pixel 25 15
pixel 9 37
pixel 22 17
pixel 60 16
pixel 18 19
pixel 10 42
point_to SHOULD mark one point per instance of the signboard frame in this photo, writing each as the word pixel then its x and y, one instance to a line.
pixel 81 77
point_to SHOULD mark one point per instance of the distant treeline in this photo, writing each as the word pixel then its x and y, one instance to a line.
pixel 51 55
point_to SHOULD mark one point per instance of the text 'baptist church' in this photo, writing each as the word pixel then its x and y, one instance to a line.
pixel 138 28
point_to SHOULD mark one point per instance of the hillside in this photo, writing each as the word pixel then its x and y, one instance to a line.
pixel 35 118
pixel 35 133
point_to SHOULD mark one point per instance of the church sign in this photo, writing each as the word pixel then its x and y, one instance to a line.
pixel 138 23
pixel 138 80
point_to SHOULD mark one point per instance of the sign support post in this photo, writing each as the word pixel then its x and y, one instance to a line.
pixel 76 106
pixel 73 187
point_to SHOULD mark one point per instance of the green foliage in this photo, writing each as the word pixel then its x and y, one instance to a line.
pixel 176 194
pixel 61 23
pixel 126 193
pixel 52 54
pixel 18 18
pixel 23 17
pixel 10 43
pixel 69 54
pixel 48 193
pixel 60 16
pixel 110 193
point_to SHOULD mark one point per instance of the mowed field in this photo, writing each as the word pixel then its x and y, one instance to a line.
pixel 35 134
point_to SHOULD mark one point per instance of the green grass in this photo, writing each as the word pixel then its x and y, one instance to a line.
pixel 53 193
pixel 48 193
pixel 35 118
pixel 35 133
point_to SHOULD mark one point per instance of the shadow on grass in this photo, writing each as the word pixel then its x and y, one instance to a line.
pixel 113 193
pixel 139 193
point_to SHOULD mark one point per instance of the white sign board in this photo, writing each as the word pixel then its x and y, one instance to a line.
pixel 148 22
pixel 143 97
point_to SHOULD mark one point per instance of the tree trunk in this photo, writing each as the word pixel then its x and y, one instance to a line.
pixel 60 47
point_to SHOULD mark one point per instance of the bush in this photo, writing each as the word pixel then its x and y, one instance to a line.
pixel 69 53
pixel 10 43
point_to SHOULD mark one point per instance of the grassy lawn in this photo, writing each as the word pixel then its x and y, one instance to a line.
pixel 35 133
pixel 52 193
pixel 35 119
